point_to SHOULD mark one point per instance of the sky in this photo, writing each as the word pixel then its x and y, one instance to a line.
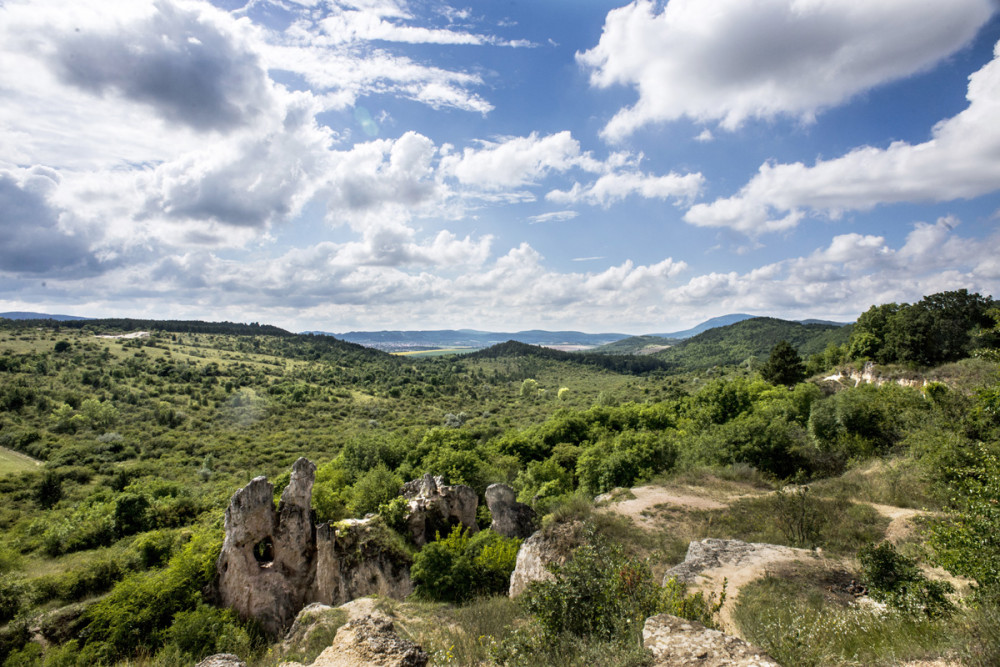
pixel 501 165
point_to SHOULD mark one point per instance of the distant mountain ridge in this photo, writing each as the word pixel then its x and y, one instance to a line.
pixel 23 315
pixel 415 340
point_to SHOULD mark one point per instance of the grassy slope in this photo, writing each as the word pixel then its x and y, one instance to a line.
pixel 752 338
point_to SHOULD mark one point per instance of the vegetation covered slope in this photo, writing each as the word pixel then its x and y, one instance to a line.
pixel 750 339
pixel 108 548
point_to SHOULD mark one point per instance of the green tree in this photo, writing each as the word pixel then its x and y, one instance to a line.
pixel 783 366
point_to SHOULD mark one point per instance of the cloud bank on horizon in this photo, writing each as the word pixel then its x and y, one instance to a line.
pixel 384 164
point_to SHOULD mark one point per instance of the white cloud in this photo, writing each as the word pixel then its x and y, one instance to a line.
pixel 553 216
pixel 730 60
pixel 612 188
pixel 515 161
pixel 959 161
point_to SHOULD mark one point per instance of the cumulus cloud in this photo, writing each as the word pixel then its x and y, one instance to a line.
pixel 32 241
pixel 614 187
pixel 730 60
pixel 515 161
pixel 958 161
pixel 186 61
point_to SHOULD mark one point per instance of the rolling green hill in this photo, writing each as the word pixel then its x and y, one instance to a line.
pixel 753 338
pixel 636 345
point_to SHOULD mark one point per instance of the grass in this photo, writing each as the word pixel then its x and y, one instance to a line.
pixel 12 462
pixel 798 624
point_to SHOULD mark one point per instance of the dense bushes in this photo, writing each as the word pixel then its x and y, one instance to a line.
pixel 458 567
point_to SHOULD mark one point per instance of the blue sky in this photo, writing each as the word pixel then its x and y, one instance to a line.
pixel 600 166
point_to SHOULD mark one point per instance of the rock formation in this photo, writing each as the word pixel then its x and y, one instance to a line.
pixel 676 642
pixel 510 518
pixel 222 660
pixel 550 546
pixel 436 507
pixel 275 562
pixel 710 554
pixel 370 641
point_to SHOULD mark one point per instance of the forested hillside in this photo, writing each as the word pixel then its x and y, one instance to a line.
pixel 751 340
pixel 112 527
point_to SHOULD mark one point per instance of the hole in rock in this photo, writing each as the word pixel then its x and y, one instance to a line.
pixel 263 551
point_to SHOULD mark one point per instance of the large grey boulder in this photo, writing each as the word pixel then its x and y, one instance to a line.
pixel 435 507
pixel 510 518
pixel 676 642
pixel 546 547
pixel 370 641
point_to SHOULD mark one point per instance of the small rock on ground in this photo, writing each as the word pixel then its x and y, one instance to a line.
pixel 676 642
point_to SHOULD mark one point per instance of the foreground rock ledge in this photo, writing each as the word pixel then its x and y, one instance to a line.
pixel 369 641
pixel 676 642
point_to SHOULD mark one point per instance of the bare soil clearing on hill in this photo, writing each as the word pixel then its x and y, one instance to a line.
pixel 681 510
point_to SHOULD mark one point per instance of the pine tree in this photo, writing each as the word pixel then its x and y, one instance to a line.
pixel 784 366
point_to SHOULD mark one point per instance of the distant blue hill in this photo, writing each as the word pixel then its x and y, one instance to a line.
pixel 720 321
pixel 18 315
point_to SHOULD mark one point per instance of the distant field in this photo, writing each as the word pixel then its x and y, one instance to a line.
pixel 11 461
pixel 436 353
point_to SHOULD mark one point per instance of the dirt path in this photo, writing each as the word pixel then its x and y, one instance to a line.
pixel 645 498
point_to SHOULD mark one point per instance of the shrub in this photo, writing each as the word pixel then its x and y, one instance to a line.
pixel 896 580
pixel 135 616
pixel 458 567
pixel 599 593
pixel 373 488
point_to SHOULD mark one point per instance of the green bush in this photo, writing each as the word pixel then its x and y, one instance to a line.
pixel 896 580
pixel 374 488
pixel 599 593
pixel 458 567
pixel 135 616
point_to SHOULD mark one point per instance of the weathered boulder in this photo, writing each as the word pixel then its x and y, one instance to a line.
pixel 370 641
pixel 266 565
pixel 354 558
pixel 276 561
pixel 437 507
pixel 510 518
pixel 676 642
pixel 222 660
pixel 548 546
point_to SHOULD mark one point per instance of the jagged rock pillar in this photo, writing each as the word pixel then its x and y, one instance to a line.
pixel 267 561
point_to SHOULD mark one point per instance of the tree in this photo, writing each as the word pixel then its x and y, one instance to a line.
pixel 784 366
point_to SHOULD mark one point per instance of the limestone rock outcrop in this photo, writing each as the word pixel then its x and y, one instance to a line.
pixel 676 642
pixel 510 518
pixel 353 561
pixel 266 567
pixel 222 660
pixel 437 507
pixel 710 554
pixel 276 561
pixel 370 641
pixel 550 546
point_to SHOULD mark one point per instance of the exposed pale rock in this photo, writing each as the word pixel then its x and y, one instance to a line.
pixel 352 561
pixel 510 518
pixel 370 641
pixel 276 561
pixel 437 507
pixel 550 546
pixel 222 660
pixel 266 566
pixel 710 554
pixel 676 642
